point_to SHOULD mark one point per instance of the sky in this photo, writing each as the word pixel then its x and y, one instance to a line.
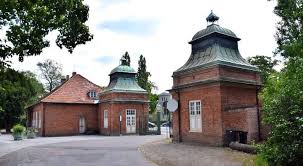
pixel 159 30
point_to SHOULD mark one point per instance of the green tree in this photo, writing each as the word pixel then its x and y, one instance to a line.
pixel 127 57
pixel 144 82
pixel 17 90
pixel 51 72
pixel 265 64
pixel 28 22
pixel 283 94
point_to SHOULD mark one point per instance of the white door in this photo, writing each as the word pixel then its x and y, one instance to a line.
pixel 130 121
pixel 81 125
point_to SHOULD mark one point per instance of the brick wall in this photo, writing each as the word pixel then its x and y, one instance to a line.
pixel 242 120
pixel 115 109
pixel 211 114
pixel 37 108
pixel 63 119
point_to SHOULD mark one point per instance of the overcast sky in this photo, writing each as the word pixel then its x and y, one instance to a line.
pixel 160 30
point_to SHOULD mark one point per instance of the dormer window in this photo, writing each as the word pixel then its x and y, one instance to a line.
pixel 92 94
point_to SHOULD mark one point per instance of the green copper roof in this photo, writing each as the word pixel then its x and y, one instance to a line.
pixel 213 28
pixel 123 69
pixel 123 79
pixel 216 55
pixel 215 45
pixel 124 84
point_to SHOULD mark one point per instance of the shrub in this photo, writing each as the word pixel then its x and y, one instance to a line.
pixel 18 129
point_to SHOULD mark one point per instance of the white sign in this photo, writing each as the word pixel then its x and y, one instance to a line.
pixel 172 105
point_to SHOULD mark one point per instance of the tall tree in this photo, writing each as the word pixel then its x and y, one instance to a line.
pixel 144 82
pixel 127 57
pixel 17 90
pixel 282 97
pixel 265 64
pixel 51 72
pixel 143 75
pixel 28 23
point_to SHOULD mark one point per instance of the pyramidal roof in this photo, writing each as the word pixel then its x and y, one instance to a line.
pixel 123 79
pixel 215 45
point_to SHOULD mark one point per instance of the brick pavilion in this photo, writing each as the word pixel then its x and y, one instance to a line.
pixel 79 106
pixel 217 91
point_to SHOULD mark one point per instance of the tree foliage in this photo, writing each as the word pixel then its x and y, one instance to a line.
pixel 51 72
pixel 27 22
pixel 17 90
pixel 265 64
pixel 127 57
pixel 283 94
pixel 144 82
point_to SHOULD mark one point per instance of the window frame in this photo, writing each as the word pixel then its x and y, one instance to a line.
pixel 92 94
pixel 195 115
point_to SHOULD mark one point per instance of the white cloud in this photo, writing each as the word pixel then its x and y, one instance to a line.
pixel 167 48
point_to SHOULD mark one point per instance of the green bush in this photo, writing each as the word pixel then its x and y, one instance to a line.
pixel 18 129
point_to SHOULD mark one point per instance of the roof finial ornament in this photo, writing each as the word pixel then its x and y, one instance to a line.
pixel 123 61
pixel 212 17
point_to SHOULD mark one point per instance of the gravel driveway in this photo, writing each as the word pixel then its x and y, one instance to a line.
pixel 108 151
pixel 170 154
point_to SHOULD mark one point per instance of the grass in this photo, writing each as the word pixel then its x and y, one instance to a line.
pixel 255 160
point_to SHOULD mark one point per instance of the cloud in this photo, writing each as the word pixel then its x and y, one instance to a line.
pixel 133 27
pixel 160 30
pixel 106 59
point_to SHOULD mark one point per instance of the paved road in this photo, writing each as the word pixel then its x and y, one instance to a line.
pixel 118 151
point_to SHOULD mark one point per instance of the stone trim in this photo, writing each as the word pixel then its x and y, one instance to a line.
pixel 124 101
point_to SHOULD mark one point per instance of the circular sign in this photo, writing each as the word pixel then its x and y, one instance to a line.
pixel 172 105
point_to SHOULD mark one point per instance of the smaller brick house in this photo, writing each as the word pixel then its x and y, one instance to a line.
pixel 69 109
pixel 124 104
pixel 217 91
pixel 78 106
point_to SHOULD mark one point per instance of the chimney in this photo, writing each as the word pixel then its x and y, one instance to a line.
pixel 63 80
pixel 67 77
pixel 74 73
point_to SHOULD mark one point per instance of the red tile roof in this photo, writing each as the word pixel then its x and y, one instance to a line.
pixel 74 90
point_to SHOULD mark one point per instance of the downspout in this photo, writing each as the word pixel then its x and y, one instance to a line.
pixel 179 117
pixel 258 113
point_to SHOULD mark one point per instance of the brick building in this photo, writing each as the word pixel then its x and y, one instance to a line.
pixel 123 104
pixel 216 90
pixel 78 106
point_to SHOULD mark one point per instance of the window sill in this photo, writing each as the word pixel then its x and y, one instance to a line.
pixel 195 131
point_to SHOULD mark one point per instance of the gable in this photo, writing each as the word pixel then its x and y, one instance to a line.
pixel 74 90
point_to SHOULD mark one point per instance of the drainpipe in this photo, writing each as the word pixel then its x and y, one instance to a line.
pixel 258 113
pixel 179 117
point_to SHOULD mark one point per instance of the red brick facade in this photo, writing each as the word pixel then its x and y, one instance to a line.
pixel 226 104
pixel 59 112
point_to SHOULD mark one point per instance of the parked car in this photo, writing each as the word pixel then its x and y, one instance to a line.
pixel 166 124
pixel 152 126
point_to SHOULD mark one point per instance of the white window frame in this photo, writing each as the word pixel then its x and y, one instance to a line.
pixel 34 120
pixel 105 119
pixel 195 115
pixel 37 119
pixel 92 94
pixel 40 117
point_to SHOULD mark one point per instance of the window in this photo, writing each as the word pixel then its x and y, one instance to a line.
pixel 92 94
pixel 39 122
pixel 34 120
pixel 37 119
pixel 105 119
pixel 195 116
